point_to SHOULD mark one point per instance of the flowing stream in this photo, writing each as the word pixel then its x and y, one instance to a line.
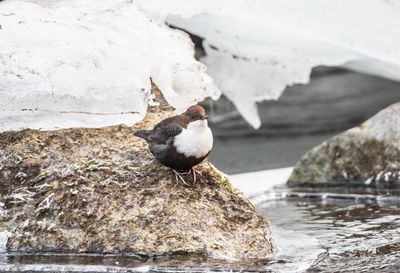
pixel 320 230
pixel 340 230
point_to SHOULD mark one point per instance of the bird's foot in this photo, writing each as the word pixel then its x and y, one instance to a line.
pixel 192 170
pixel 194 174
pixel 178 176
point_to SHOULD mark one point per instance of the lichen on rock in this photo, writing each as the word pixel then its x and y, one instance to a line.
pixel 100 190
pixel 368 154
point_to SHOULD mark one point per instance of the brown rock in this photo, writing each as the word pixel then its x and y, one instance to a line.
pixel 99 190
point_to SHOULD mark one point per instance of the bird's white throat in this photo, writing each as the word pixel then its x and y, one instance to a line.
pixel 196 140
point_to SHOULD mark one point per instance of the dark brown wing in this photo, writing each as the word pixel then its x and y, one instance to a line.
pixel 165 130
pixel 179 120
pixel 161 134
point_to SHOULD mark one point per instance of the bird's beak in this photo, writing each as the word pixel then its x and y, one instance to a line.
pixel 205 117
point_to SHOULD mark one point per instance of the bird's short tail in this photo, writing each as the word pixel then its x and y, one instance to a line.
pixel 143 134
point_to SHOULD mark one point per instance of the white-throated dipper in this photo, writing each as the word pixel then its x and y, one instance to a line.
pixel 180 142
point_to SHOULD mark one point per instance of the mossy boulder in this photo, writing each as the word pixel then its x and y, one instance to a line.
pixel 368 155
pixel 100 190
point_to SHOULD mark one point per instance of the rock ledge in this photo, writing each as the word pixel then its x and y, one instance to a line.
pixel 99 190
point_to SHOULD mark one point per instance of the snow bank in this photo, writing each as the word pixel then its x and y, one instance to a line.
pixel 253 183
pixel 257 48
pixel 88 63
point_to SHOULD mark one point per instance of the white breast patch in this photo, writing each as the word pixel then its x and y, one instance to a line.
pixel 196 140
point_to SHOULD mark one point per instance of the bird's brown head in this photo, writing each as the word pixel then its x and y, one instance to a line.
pixel 196 112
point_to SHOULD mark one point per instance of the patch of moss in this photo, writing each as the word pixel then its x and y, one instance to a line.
pixel 223 179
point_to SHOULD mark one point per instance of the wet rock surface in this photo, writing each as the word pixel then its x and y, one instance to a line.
pixel 368 154
pixel 99 190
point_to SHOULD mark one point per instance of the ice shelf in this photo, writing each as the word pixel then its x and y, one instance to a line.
pixel 88 64
pixel 256 48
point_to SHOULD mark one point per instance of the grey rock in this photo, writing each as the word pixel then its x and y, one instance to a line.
pixel 367 154
pixel 99 190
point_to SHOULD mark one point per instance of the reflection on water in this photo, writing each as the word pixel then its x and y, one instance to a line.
pixel 338 230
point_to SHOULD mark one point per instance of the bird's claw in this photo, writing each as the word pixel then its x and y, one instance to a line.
pixel 177 174
pixel 192 170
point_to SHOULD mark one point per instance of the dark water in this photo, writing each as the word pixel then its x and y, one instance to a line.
pixel 238 155
pixel 334 232
pixel 339 230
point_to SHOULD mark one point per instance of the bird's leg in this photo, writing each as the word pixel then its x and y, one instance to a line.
pixel 177 174
pixel 193 170
pixel 194 174
pixel 199 173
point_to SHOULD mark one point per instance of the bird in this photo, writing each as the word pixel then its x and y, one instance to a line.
pixel 181 142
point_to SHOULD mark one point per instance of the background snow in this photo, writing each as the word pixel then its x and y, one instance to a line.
pixel 89 63
pixel 257 48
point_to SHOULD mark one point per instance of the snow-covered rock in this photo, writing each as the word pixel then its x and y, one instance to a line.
pixel 80 63
pixel 257 48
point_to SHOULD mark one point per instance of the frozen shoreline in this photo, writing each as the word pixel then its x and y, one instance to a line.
pixel 252 183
